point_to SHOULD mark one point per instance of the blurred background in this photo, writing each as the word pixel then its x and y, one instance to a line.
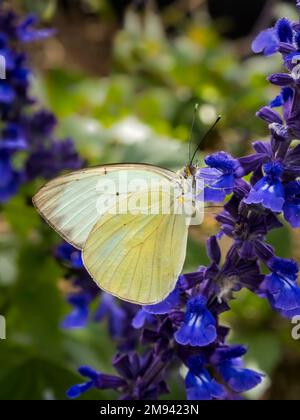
pixel 122 77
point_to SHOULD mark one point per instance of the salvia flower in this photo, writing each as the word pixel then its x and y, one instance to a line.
pixel 292 204
pixel 10 179
pixel 116 316
pixel 78 317
pixel 269 40
pixel 284 97
pixel 199 326
pixel 281 286
pixel 228 361
pixel 69 255
pixel 185 328
pixel 170 302
pixel 221 177
pixel 269 191
pixel 248 228
pixel 199 384
pixel 95 380
pixel 22 128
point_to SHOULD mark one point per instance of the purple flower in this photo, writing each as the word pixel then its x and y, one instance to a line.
pixel 44 156
pixel 199 326
pixel 269 115
pixel 10 179
pixel 12 138
pixel 229 363
pixel 69 255
pixel 78 318
pixel 248 228
pixel 26 32
pixel 169 303
pixel 281 286
pixel 41 124
pixel 199 384
pixel 96 380
pixel 221 177
pixel 285 96
pixel 143 374
pixel 269 40
pixel 6 53
pixel 7 93
pixel 237 377
pixel 141 318
pixel 50 161
pixel 281 79
pixel 186 327
pixel 291 207
pixel 109 309
pixel 292 163
pixel 269 191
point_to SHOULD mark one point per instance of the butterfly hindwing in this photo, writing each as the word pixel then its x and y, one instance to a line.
pixel 137 257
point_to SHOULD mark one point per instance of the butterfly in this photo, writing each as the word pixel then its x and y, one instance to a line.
pixel 135 255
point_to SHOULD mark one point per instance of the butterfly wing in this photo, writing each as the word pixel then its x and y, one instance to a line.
pixel 70 203
pixel 137 257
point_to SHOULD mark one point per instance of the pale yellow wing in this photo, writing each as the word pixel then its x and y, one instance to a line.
pixel 137 258
pixel 70 203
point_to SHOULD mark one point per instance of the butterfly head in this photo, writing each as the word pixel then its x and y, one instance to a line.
pixel 189 171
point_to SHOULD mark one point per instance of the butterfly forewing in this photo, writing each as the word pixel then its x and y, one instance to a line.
pixel 72 204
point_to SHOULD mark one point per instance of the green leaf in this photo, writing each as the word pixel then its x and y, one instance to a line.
pixel 196 256
pixel 24 376
pixel 21 216
pixel 281 240
pixel 37 303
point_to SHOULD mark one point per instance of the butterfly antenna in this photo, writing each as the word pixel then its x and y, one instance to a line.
pixel 204 138
pixel 196 107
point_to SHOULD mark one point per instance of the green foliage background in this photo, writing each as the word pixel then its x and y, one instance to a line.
pixel 139 110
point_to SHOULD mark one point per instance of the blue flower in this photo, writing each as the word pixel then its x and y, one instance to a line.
pixel 141 318
pixel 200 386
pixel 269 191
pixel 21 129
pixel 144 374
pixel 114 313
pixel 79 316
pixel 7 93
pixel 169 303
pixel 199 326
pixel 96 380
pixel 221 177
pixel 268 41
pixel 6 53
pixel 291 313
pixel 285 95
pixel 291 207
pixel 69 255
pixel 12 138
pixel 10 179
pixel 42 123
pixel 237 377
pixel 248 229
pixel 27 33
pixel 48 161
pixel 281 286
pixel 228 361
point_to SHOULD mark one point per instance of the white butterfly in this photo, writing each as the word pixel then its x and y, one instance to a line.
pixel 134 238
pixel 134 255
